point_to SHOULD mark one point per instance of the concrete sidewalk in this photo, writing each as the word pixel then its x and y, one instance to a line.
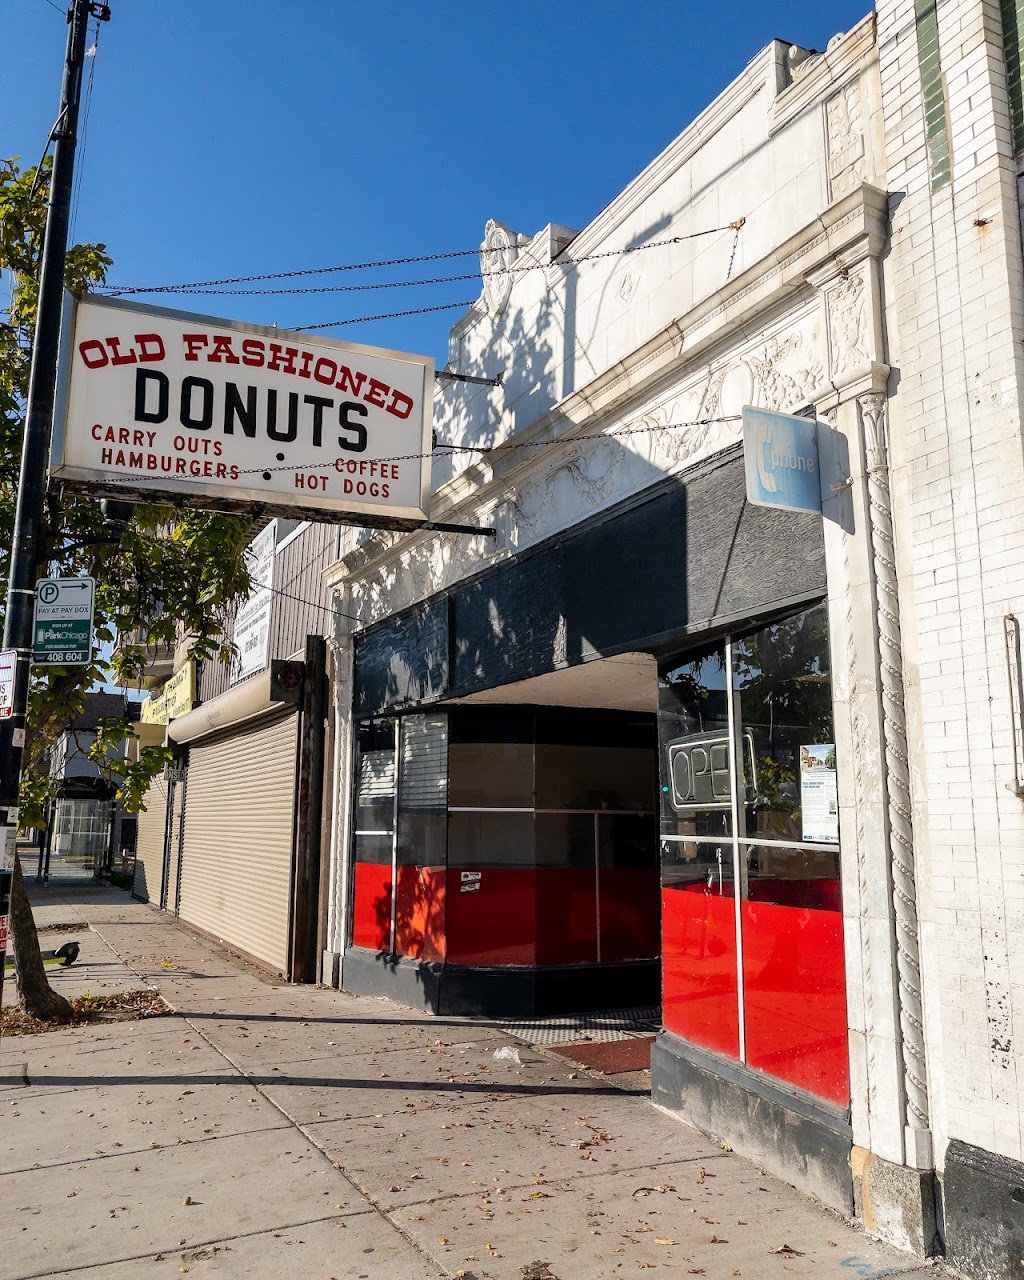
pixel 265 1131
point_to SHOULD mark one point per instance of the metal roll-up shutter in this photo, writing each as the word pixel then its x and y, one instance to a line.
pixel 149 849
pixel 175 824
pixel 236 857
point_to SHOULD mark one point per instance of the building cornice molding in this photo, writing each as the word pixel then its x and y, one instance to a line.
pixel 761 74
pixel 823 74
pixel 826 251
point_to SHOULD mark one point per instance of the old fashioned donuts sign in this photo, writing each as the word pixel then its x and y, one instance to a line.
pixel 159 405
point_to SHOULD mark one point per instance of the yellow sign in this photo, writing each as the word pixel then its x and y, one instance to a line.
pixel 174 699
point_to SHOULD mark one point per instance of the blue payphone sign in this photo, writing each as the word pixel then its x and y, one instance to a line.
pixel 780 455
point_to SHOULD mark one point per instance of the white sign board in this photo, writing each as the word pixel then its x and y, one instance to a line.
pixel 158 404
pixel 8 667
pixel 780 454
pixel 62 631
pixel 252 621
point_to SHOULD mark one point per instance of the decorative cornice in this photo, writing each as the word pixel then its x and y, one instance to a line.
pixel 758 76
pixel 821 75
pixel 851 230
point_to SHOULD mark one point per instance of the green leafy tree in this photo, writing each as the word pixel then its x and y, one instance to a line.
pixel 160 573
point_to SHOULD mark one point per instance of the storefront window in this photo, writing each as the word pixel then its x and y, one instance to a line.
pixel 696 795
pixel 783 696
pixel 524 836
pixel 422 844
pixel 491 854
pixel 758 976
pixel 373 839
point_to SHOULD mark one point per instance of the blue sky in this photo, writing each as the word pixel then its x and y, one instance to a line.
pixel 239 137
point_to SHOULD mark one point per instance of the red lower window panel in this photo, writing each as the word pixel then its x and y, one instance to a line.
pixel 491 916
pixel 629 914
pixel 507 916
pixel 794 986
pixel 420 913
pixel 699 984
pixel 371 906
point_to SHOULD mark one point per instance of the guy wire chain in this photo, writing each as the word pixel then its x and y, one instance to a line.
pixel 200 286
pixel 384 315
pixel 453 448
pixel 470 448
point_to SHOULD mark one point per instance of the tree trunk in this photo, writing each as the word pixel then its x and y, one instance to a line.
pixel 35 995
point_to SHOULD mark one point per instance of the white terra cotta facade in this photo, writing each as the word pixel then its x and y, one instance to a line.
pixel 835 265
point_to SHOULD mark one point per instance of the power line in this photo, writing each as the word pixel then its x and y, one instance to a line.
pixel 483 449
pixel 386 315
pixel 89 53
pixel 201 285
pixel 450 448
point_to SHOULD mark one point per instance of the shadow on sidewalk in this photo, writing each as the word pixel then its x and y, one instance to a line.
pixel 271 1079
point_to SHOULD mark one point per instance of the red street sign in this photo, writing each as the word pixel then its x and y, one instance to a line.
pixel 8 666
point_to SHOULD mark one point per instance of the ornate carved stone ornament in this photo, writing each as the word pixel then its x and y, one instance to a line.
pixel 787 370
pixel 802 60
pixel 844 124
pixel 847 309
pixel 498 255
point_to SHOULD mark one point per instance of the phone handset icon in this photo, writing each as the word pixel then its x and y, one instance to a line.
pixel 765 431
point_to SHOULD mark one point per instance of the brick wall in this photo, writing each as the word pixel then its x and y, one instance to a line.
pixel 956 323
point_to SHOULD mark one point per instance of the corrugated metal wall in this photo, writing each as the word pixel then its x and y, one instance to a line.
pixel 237 847
pixel 149 855
pixel 176 807
pixel 301 604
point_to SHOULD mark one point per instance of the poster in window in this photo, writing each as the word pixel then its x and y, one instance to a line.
pixel 819 796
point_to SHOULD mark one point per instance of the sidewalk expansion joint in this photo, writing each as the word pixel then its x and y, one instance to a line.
pixel 168 1250
pixel 95 1156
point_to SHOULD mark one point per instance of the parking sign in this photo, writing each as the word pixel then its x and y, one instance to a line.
pixel 62 636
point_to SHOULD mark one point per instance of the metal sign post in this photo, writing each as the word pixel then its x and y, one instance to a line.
pixel 27 547
pixel 8 666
